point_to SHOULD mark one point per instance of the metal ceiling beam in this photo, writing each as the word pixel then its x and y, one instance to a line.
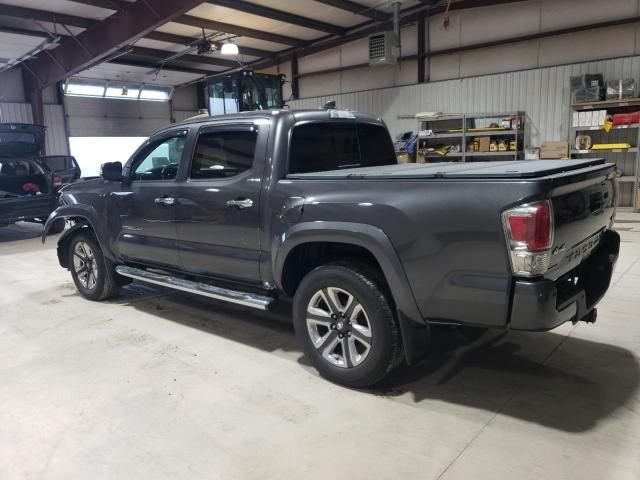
pixel 274 14
pixel 353 7
pixel 239 30
pixel 158 36
pixel 74 21
pixel 209 24
pixel 105 38
pixel 181 40
pixel 44 16
pixel 201 59
pixel 107 4
pixel 24 32
pixel 131 61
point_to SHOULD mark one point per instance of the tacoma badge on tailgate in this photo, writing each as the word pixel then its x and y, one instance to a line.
pixel 585 248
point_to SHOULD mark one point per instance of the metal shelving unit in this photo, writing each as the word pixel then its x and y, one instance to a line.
pixel 626 159
pixel 456 131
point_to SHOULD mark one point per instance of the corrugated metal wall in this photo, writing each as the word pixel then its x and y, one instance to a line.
pixel 543 93
pixel 56 135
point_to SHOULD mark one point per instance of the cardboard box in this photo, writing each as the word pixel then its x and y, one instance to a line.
pixel 483 143
pixel 575 119
pixel 531 153
pixel 402 157
pixel 554 150
pixel 582 121
pixel 602 117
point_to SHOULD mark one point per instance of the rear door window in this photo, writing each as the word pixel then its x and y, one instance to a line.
pixel 324 146
pixel 224 153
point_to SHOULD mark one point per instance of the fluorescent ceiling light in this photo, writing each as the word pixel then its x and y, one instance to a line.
pixel 229 48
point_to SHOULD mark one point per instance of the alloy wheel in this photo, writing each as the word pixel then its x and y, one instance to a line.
pixel 339 327
pixel 85 265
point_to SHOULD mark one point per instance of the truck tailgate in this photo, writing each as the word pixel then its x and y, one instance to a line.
pixel 584 206
pixel 13 209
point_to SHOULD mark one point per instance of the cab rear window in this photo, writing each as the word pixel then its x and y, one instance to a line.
pixel 325 146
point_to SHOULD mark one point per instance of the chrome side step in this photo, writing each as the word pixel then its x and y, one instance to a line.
pixel 253 300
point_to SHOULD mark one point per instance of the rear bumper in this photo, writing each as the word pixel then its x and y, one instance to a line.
pixel 20 209
pixel 544 304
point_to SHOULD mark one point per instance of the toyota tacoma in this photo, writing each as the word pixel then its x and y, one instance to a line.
pixel 254 207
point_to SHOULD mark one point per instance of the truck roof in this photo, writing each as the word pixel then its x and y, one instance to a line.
pixel 298 115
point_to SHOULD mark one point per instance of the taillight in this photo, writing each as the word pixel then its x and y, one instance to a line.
pixel 529 232
pixel 57 181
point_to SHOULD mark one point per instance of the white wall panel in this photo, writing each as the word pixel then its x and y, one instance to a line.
pixel 55 136
pixel 11 86
pixel 15 113
pixel 56 141
pixel 543 93
pixel 488 24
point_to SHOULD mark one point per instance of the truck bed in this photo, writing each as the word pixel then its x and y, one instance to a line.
pixel 528 169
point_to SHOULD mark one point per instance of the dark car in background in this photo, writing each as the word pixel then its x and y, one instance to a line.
pixel 28 190
pixel 65 166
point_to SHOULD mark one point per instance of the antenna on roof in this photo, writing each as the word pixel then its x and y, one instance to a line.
pixel 329 105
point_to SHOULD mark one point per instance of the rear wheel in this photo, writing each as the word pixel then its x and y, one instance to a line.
pixel 93 279
pixel 346 325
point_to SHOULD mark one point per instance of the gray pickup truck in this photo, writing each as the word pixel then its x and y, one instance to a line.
pixel 253 207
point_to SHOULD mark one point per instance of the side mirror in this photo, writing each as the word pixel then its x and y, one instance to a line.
pixel 112 171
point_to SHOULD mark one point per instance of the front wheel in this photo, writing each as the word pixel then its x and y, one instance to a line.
pixel 346 325
pixel 93 279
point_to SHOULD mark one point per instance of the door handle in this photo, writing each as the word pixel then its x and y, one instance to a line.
pixel 165 201
pixel 240 203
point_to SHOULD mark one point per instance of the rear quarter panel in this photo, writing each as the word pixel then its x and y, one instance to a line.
pixel 447 233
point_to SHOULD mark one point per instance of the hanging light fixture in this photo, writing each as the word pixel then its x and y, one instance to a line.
pixel 229 48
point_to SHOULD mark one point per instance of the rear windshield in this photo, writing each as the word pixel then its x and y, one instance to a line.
pixel 324 146
pixel 57 164
pixel 17 137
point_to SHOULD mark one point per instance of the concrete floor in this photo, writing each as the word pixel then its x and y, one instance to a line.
pixel 158 384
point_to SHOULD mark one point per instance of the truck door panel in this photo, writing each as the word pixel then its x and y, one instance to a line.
pixel 218 206
pixel 146 205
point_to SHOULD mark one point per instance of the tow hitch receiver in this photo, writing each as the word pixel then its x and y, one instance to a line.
pixel 590 317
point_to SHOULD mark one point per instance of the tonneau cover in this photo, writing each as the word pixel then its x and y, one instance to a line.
pixel 507 170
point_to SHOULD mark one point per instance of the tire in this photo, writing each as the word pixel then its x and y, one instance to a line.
pixel 97 281
pixel 57 226
pixel 338 309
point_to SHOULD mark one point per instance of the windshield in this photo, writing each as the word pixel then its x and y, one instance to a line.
pixel 243 93
pixel 20 139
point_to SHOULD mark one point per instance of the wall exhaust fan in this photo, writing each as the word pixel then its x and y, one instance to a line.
pixel 383 49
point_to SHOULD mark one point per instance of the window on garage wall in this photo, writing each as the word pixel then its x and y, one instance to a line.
pixel 80 87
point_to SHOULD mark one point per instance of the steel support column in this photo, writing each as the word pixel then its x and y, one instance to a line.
pixel 421 47
pixel 295 85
